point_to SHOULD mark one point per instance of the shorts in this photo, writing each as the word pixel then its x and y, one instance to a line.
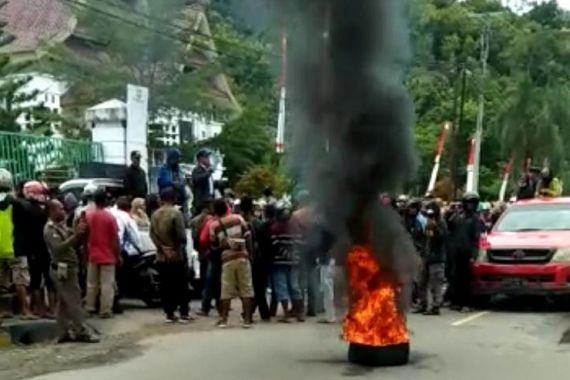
pixel 14 272
pixel 236 279
pixel 286 283
pixel 39 268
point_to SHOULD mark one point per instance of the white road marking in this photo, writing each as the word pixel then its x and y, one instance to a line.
pixel 471 318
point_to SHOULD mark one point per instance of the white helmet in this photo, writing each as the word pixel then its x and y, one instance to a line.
pixel 6 180
pixel 90 189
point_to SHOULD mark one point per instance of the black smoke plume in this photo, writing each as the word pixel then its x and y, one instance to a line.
pixel 350 115
pixel 351 118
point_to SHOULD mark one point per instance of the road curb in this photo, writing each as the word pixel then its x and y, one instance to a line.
pixel 16 332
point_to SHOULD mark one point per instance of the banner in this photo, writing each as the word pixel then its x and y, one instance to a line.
pixel 137 123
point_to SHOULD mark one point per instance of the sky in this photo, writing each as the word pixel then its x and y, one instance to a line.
pixel 564 4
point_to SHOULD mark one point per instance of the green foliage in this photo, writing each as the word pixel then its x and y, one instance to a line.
pixel 246 140
pixel 526 88
pixel 260 177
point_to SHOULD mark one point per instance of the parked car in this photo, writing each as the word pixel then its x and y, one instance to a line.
pixel 527 252
pixel 113 186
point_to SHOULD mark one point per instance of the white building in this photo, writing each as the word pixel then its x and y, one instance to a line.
pixel 174 128
pixel 49 92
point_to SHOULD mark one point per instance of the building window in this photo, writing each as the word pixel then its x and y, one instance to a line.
pixel 46 98
pixel 186 131
pixel 203 134
pixel 53 99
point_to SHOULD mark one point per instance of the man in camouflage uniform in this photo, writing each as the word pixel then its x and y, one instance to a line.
pixel 61 241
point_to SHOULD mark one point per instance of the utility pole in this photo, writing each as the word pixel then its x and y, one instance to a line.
pixel 326 85
pixel 459 110
pixel 481 114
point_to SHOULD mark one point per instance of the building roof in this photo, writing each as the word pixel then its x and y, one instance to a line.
pixel 35 24
pixel 193 18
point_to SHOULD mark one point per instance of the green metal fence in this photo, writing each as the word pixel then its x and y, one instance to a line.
pixel 50 159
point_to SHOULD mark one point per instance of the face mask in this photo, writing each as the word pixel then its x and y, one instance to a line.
pixel 3 196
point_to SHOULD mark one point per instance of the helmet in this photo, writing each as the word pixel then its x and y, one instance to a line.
pixel 6 180
pixel 470 196
pixel 35 190
pixel 415 203
pixel 403 199
pixel 484 207
pixel 89 190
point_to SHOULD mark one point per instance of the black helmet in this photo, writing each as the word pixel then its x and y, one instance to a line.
pixel 415 203
pixel 471 196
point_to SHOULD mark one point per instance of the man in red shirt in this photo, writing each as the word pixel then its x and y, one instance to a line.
pixel 104 254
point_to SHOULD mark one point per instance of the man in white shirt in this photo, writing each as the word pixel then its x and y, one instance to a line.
pixel 129 236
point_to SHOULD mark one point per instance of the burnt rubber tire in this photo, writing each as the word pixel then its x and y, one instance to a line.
pixel 370 356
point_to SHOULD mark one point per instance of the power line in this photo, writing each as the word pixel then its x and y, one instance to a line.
pixel 154 30
pixel 183 29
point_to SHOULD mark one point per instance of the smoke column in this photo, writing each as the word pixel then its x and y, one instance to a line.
pixel 351 117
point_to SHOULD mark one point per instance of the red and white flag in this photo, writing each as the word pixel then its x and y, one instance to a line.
pixel 506 174
pixel 438 152
pixel 281 120
pixel 470 186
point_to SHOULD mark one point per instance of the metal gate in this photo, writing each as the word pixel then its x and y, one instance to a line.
pixel 52 160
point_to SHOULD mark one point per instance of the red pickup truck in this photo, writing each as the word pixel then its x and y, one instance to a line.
pixel 527 252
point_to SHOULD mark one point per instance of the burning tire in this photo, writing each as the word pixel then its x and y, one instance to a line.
pixel 374 327
pixel 370 356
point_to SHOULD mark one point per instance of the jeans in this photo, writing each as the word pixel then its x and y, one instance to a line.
pixel 212 283
pixel 431 285
pixel 311 286
pixel 286 282
pixel 174 288
pixel 260 282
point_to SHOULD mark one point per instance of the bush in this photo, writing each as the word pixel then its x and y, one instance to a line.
pixel 259 177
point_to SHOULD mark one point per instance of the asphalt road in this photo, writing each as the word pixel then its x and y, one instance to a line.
pixel 486 345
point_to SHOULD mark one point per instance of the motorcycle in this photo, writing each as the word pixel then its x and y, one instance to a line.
pixel 139 277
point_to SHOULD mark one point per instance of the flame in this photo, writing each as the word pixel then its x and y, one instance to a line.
pixel 374 318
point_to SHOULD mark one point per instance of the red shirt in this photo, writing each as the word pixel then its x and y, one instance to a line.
pixel 102 239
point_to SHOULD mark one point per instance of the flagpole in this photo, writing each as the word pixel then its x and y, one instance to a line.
pixel 506 176
pixel 281 120
pixel 438 152
pixel 470 185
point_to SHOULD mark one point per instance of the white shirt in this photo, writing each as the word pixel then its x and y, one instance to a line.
pixel 129 236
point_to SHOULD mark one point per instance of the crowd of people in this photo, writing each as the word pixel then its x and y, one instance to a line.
pixel 446 238
pixel 64 258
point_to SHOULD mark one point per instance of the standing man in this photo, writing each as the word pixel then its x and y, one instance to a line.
pixel 433 263
pixel 135 178
pixel 168 233
pixel 7 258
pixel 38 255
pixel 466 238
pixel 171 177
pixel 103 256
pixel 231 235
pixel 285 266
pixel 61 242
pixel 129 242
pixel 202 181
pixel 260 265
